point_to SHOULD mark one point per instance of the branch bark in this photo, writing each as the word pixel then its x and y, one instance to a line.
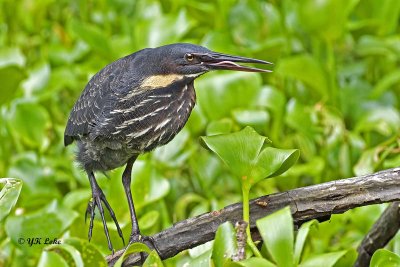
pixel 312 202
pixel 380 234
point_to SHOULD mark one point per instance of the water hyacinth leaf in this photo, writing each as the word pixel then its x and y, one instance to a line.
pixel 70 254
pixel 238 150
pixel 51 258
pixel 383 257
pixel 237 89
pixel 306 69
pixel 49 222
pixel 273 161
pixel 255 118
pixel 327 259
pixel 91 256
pixel 301 239
pixel 9 195
pixel 132 249
pixel 153 260
pixel 92 36
pixel 252 262
pixel 277 233
pixel 11 77
pixel 149 219
pixel 29 121
pixel 147 184
pixel 225 244
pixel 222 126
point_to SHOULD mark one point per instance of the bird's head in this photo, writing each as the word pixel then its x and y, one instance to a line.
pixel 165 65
pixel 193 60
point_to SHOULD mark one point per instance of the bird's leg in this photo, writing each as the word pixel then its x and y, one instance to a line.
pixel 135 234
pixel 97 198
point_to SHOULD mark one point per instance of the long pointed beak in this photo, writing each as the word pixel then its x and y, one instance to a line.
pixel 217 61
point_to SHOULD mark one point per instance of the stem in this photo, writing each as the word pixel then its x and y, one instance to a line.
pixel 246 218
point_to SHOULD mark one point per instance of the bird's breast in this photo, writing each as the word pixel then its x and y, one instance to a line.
pixel 155 117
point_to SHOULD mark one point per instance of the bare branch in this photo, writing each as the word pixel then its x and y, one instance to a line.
pixel 306 203
pixel 380 234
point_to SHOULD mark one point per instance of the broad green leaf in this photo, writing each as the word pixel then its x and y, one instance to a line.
pixel 257 119
pixel 385 258
pixel 277 233
pixel 301 239
pixel 273 161
pixel 9 195
pixel 132 249
pixel 29 121
pixel 92 35
pixel 252 262
pixel 238 150
pixel 204 260
pixel 91 256
pixel 153 260
pixel 37 79
pixel 222 126
pixel 70 254
pixel 384 84
pixel 147 184
pixel 328 11
pixel 149 219
pixel 225 244
pixel 11 77
pixel 219 94
pixel 47 223
pixel 51 258
pixel 11 57
pixel 327 259
pixel 306 69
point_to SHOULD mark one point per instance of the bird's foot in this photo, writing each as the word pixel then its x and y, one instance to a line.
pixel 98 198
pixel 147 240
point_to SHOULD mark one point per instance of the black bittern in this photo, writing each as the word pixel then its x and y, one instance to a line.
pixel 134 105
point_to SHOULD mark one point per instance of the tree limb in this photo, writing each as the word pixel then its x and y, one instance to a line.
pixel 312 202
pixel 380 234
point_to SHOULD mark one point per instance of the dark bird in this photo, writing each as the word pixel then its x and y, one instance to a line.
pixel 134 105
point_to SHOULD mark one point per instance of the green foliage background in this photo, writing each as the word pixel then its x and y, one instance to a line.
pixel 334 94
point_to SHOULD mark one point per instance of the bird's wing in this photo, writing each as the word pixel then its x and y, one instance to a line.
pixel 95 102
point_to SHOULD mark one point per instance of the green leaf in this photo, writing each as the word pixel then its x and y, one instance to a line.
pixel 225 244
pixel 29 121
pixel 149 219
pixel 91 256
pixel 236 89
pixel 132 249
pixel 327 259
pixel 49 222
pixel 255 118
pixel 147 184
pixel 301 239
pixel 252 262
pixel 238 150
pixel 70 254
pixel 51 258
pixel 385 258
pixel 277 233
pixel 92 35
pixel 273 162
pixel 306 69
pixel 222 126
pixel 153 260
pixel 9 195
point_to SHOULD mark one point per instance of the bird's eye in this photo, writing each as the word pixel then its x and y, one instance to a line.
pixel 189 57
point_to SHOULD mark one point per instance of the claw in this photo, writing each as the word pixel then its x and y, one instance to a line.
pixel 97 200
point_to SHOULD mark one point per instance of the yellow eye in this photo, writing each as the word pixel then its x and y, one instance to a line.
pixel 189 57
